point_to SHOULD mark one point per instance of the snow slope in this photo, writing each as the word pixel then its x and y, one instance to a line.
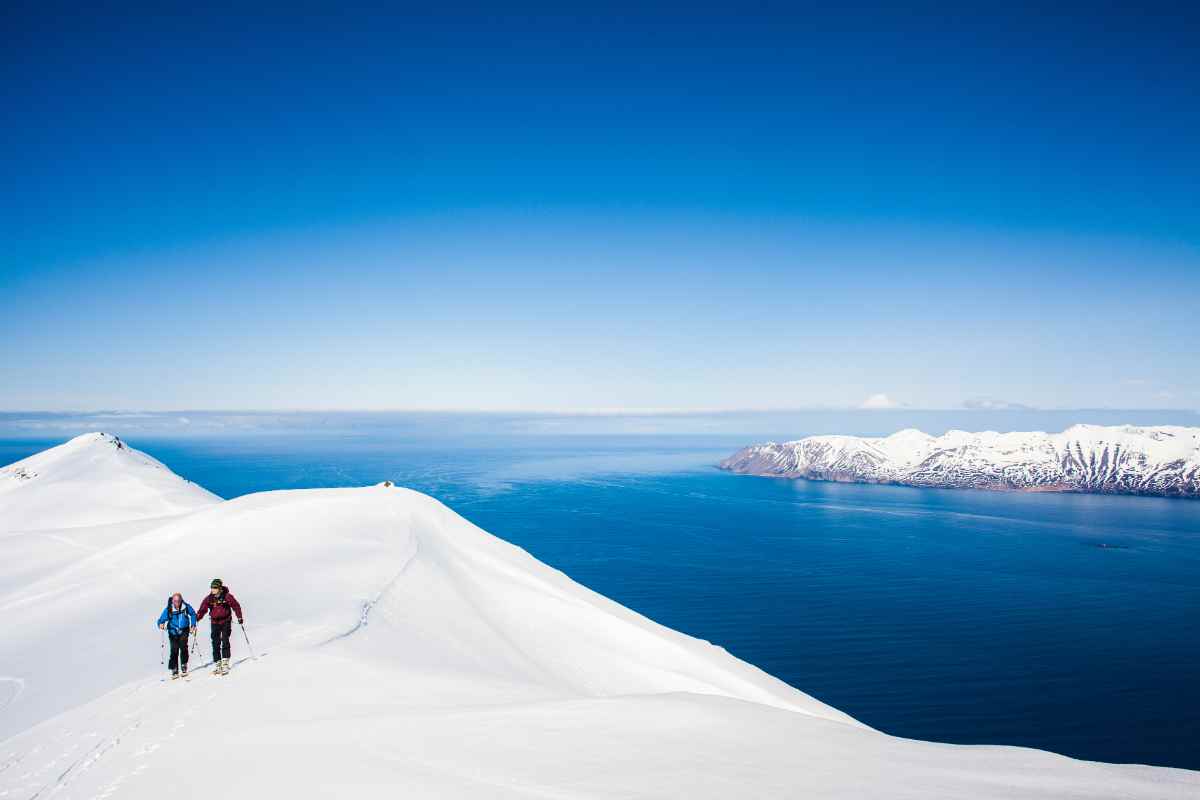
pixel 403 651
pixel 1162 460
pixel 92 480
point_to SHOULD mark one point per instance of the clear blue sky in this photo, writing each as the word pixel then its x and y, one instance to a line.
pixel 512 207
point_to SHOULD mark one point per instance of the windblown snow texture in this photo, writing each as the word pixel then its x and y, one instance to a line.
pixel 1161 461
pixel 402 652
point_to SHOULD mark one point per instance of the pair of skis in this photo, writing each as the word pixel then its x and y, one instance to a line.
pixel 201 667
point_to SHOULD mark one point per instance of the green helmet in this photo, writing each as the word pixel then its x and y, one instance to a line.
pixel 216 583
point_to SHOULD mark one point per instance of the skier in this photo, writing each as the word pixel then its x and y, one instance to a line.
pixel 178 619
pixel 218 603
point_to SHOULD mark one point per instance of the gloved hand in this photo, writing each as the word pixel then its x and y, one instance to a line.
pixel 240 622
pixel 162 626
pixel 193 630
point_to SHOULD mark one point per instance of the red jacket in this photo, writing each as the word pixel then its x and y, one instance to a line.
pixel 219 607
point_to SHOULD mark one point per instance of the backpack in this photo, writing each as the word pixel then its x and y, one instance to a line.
pixel 172 613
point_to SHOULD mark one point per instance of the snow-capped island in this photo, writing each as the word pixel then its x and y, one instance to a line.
pixel 400 651
pixel 1163 460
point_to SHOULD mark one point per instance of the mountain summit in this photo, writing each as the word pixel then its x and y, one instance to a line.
pixel 400 650
pixel 93 479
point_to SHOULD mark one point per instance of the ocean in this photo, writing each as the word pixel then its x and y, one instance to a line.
pixel 1064 622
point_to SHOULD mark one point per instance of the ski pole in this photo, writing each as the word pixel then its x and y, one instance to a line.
pixel 249 646
pixel 162 646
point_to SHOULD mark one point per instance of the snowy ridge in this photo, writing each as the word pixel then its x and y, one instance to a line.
pixel 93 479
pixel 404 650
pixel 1162 460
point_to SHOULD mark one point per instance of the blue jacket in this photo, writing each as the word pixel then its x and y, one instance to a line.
pixel 179 621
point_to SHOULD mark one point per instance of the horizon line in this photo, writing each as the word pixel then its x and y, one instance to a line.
pixel 591 412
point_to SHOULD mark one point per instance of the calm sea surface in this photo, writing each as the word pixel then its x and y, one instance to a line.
pixel 1065 622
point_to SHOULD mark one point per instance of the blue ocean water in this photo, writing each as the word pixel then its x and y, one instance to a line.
pixel 1064 622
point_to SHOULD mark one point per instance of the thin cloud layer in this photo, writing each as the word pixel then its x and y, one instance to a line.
pixel 878 401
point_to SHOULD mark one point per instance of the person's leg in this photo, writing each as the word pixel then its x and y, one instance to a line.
pixel 173 664
pixel 216 642
pixel 227 629
pixel 184 641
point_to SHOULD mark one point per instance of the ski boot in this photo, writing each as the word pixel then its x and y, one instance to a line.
pixel 224 666
pixel 174 674
pixel 183 671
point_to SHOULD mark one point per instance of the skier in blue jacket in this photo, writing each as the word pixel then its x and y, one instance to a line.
pixel 178 619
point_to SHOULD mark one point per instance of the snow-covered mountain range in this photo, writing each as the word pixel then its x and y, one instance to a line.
pixel 1162 460
pixel 400 651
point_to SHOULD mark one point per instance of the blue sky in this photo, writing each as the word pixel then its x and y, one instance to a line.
pixel 514 207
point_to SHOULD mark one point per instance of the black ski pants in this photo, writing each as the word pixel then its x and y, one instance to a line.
pixel 220 639
pixel 179 650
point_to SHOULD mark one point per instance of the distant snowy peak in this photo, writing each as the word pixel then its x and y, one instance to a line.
pixel 1125 459
pixel 92 479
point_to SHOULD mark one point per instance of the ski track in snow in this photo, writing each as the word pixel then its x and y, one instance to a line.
pixel 79 764
pixel 130 724
pixel 364 617
pixel 10 696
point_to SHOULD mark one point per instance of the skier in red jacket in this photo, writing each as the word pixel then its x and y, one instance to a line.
pixel 217 604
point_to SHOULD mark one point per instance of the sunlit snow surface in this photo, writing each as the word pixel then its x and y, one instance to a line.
pixel 401 652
